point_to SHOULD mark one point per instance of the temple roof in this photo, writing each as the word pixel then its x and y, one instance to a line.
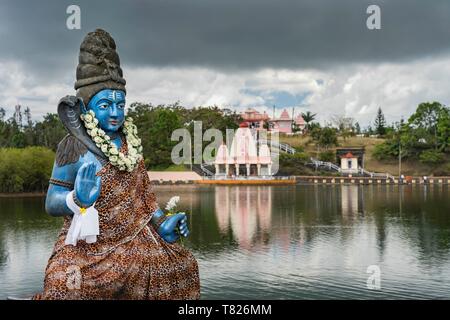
pixel 349 155
pixel 299 120
pixel 285 115
pixel 251 114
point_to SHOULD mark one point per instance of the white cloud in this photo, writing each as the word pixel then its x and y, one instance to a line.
pixel 35 91
pixel 351 90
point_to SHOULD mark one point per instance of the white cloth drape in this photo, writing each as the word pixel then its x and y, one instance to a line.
pixel 84 226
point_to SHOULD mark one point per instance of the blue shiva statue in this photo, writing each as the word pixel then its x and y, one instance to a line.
pixel 122 245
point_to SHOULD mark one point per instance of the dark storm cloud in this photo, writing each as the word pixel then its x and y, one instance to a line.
pixel 226 34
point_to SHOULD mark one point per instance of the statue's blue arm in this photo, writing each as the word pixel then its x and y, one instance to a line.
pixel 55 203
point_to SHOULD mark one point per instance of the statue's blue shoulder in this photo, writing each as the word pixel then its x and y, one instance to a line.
pixel 69 151
pixel 70 156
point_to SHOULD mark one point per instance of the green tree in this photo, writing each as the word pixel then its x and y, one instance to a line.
pixel 325 137
pixel 431 157
pixel 328 138
pixel 443 129
pixel 357 128
pixel 380 123
pixel 425 136
pixel 49 132
pixel 155 126
pixel 327 156
pixel 294 164
pixel 309 117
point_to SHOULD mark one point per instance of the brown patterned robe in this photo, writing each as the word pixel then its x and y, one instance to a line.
pixel 129 260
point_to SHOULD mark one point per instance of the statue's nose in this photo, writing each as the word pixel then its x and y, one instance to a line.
pixel 113 112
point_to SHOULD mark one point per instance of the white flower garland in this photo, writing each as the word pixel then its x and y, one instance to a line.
pixel 103 141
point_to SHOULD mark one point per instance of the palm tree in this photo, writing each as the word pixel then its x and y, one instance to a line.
pixel 308 116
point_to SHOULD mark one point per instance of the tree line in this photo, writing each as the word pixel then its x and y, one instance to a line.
pixel 155 124
pixel 20 131
pixel 425 136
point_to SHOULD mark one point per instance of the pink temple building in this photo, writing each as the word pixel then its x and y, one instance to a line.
pixel 254 119
pixel 300 122
pixel 283 124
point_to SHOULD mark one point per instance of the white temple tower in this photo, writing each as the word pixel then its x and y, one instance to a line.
pixel 243 159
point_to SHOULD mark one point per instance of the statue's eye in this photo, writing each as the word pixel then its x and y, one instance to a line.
pixel 121 105
pixel 103 106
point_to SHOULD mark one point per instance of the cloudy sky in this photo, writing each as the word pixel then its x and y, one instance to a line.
pixel 313 55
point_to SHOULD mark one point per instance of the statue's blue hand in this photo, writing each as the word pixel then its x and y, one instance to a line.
pixel 87 184
pixel 168 231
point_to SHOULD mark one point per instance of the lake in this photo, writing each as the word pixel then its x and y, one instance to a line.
pixel 277 242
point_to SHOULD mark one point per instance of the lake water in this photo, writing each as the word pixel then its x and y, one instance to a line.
pixel 280 242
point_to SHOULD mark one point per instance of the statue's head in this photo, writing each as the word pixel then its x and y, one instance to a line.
pixel 109 108
pixel 100 81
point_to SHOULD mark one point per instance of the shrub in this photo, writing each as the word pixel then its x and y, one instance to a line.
pixel 294 164
pixel 442 171
pixel 431 157
pixel 25 170
pixel 385 151
pixel 328 156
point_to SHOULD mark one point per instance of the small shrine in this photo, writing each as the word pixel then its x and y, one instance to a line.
pixel 351 159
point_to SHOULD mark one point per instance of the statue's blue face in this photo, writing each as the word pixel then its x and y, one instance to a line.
pixel 109 108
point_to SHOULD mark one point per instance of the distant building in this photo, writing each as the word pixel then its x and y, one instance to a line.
pixel 254 119
pixel 300 123
pixel 244 158
pixel 350 159
pixel 283 124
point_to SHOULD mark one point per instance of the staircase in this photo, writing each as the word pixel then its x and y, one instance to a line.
pixel 203 169
pixel 277 145
pixel 326 165
pixel 386 175
pixel 333 167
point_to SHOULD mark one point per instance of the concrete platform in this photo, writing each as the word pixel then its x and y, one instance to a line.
pixel 246 181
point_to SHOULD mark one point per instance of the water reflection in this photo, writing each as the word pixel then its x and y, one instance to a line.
pixel 351 200
pixel 299 241
pixel 246 209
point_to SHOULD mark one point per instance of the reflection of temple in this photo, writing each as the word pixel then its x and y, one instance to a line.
pixel 244 208
pixel 351 200
pixel 243 157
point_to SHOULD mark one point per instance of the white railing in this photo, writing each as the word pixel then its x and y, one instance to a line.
pixel 280 146
pixel 206 170
pixel 332 166
pixel 377 174
pixel 329 165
